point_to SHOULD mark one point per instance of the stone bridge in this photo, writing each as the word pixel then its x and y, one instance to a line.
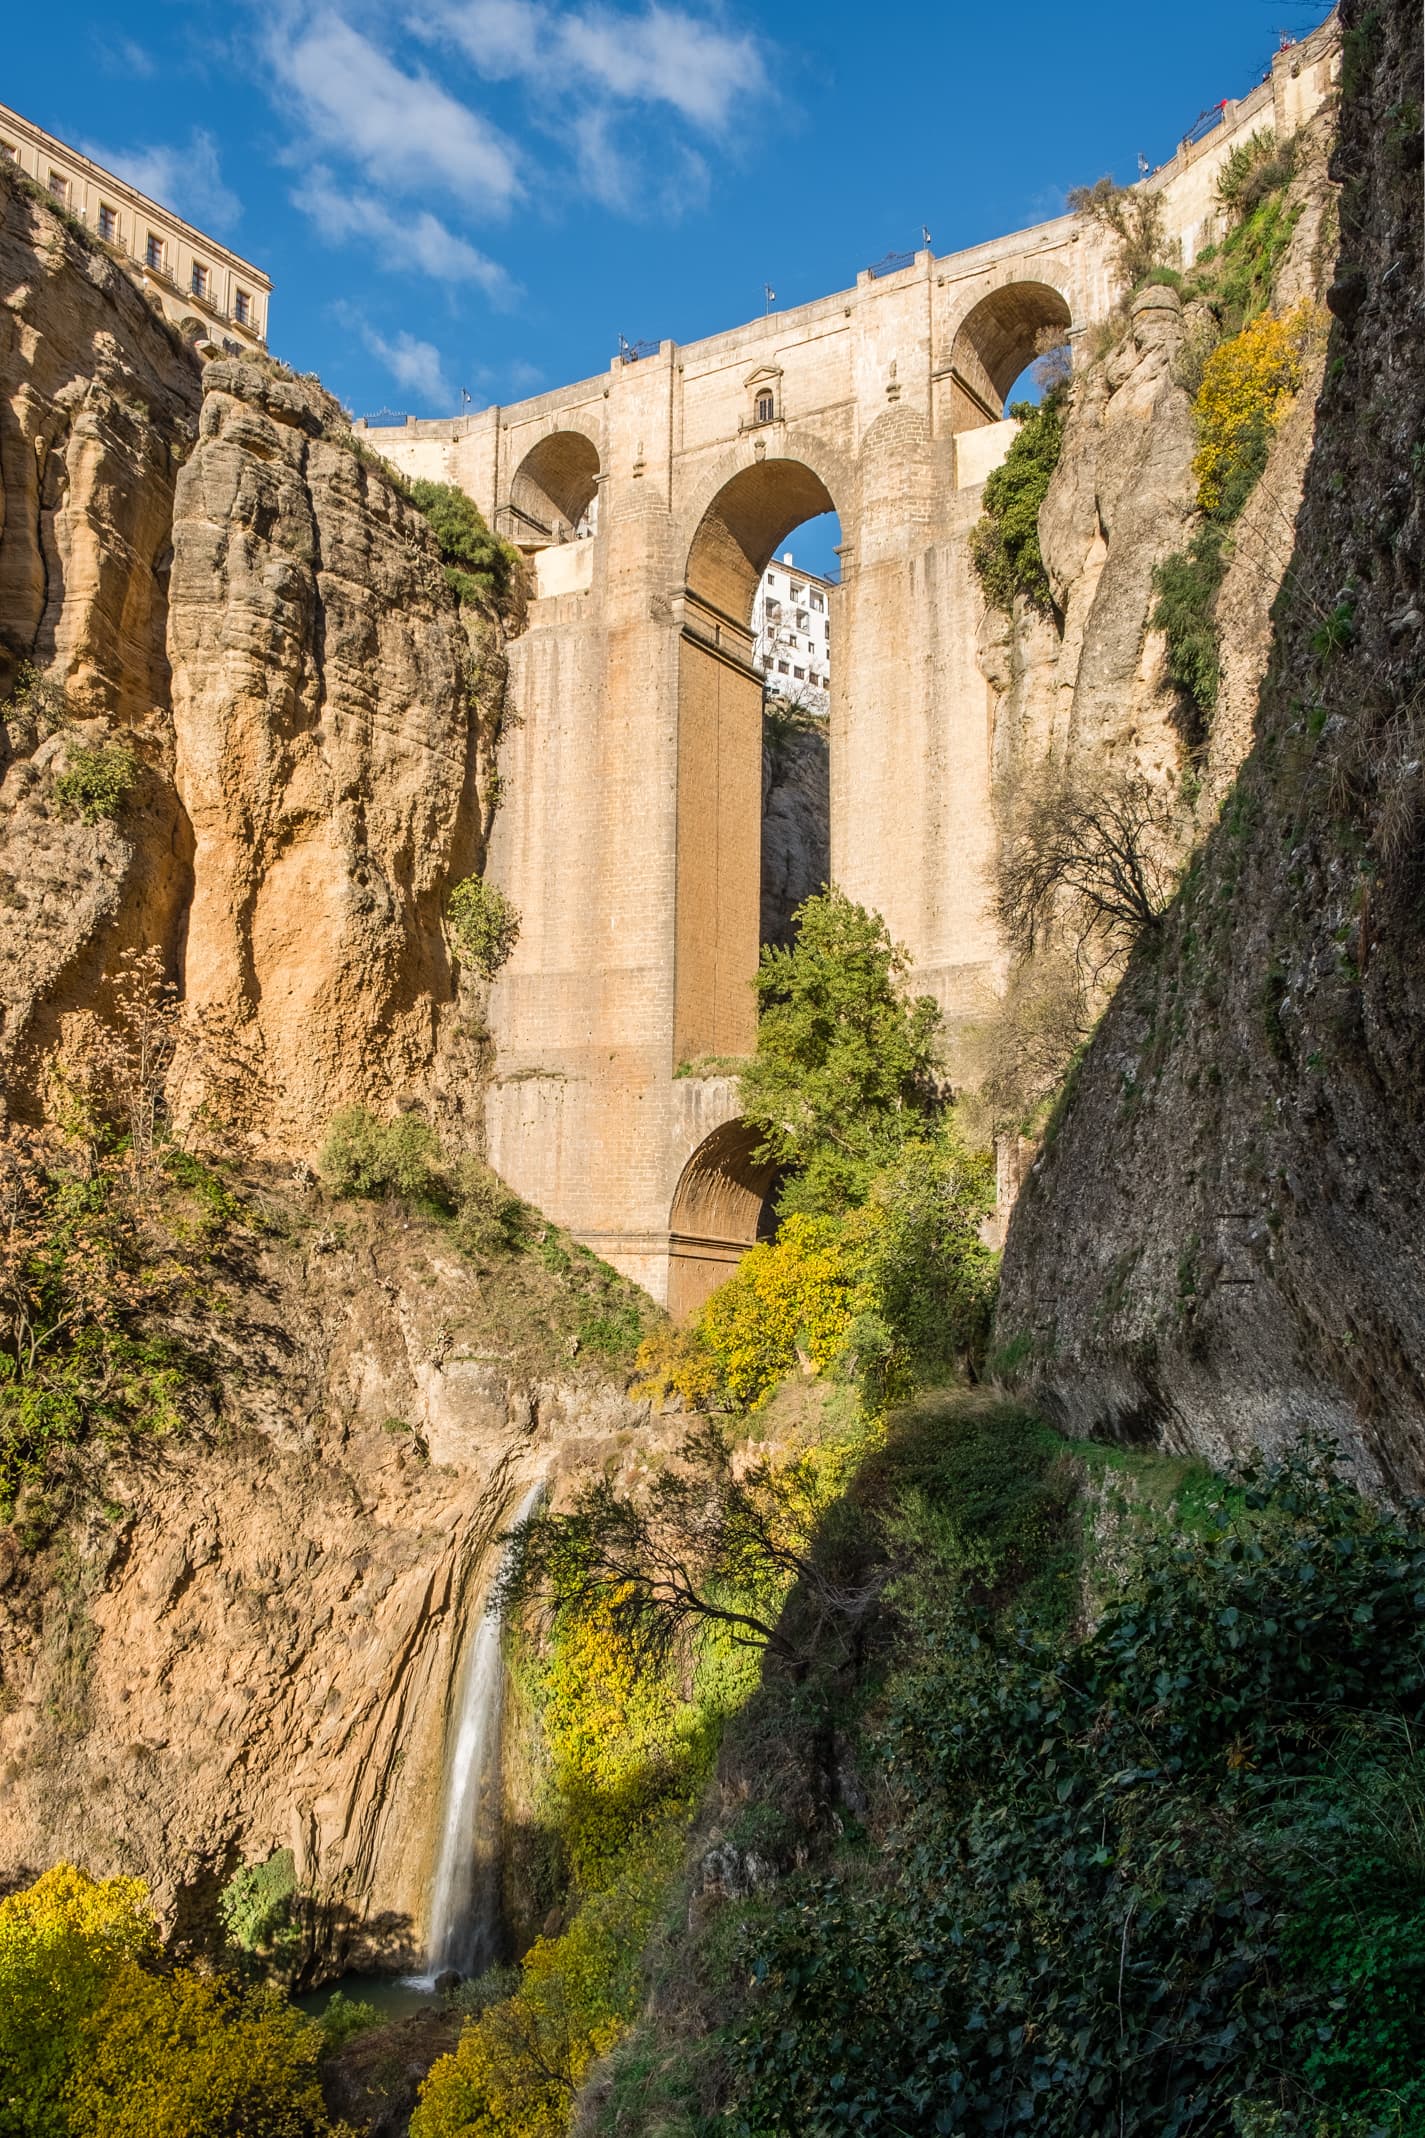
pixel 650 499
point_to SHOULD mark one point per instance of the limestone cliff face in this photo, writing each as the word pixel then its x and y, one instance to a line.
pixel 249 1641
pixel 208 576
pixel 796 822
pixel 98 407
pixel 326 753
pixel 1089 682
pixel 1222 1241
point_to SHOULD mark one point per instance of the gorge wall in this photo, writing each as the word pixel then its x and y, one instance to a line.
pixel 214 581
pixel 1219 1243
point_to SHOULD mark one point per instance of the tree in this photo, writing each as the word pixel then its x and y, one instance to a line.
pixel 1133 215
pixel 846 1067
pixel 708 1544
pixel 1090 852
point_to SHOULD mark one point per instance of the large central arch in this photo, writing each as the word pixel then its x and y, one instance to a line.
pixel 719 823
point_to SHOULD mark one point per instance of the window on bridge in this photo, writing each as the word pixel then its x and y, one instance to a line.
pixel 554 496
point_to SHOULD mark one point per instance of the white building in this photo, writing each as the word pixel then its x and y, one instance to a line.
pixel 202 286
pixel 791 627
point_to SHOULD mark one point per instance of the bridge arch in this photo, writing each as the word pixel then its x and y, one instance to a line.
pixel 554 488
pixel 717 924
pixel 994 341
pixel 722 1205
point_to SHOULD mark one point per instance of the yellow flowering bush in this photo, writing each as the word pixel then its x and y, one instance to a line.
pixel 61 1940
pixel 790 1302
pixel 1247 386
pixel 624 1748
pixel 97 2040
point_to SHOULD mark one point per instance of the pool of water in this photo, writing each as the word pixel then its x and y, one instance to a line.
pixel 394 1996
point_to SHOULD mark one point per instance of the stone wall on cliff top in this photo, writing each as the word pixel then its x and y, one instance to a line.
pixel 1220 1242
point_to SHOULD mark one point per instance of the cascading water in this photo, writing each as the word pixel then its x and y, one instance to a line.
pixel 465 1892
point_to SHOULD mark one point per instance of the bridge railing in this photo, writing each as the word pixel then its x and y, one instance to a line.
pixel 891 265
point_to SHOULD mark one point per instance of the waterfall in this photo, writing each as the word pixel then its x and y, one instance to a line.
pixel 465 1893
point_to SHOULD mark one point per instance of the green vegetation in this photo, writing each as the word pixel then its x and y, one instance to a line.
pixel 1004 547
pixel 1247 384
pixel 100 2038
pixel 845 1070
pixel 1133 215
pixel 479 567
pixel 107 1231
pixel 260 1909
pixel 365 1156
pixel 1143 1856
pixel 97 782
pixel 484 923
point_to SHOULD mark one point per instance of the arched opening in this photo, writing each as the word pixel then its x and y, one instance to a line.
pixel 722 1206
pixel 997 341
pixel 554 496
pixel 741 758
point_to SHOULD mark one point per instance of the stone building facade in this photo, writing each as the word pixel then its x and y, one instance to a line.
pixel 193 280
pixel 791 633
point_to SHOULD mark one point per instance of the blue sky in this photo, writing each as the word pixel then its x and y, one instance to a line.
pixel 486 193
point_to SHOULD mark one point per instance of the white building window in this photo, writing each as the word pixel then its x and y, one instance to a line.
pixel 200 280
pixel 108 223
pixel 766 407
pixel 782 668
pixel 818 601
pixel 153 253
pixel 798 592
pixel 799 675
pixel 242 308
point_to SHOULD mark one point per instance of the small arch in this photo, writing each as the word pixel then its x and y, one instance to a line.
pixel 995 341
pixel 738 535
pixel 722 1205
pixel 553 495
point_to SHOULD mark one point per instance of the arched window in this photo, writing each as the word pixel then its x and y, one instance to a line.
pixel 766 406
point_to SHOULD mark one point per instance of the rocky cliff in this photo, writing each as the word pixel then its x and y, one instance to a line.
pixel 246 1639
pixel 1221 1240
pixel 252 623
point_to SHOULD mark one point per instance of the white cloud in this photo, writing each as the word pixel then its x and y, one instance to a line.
pixel 417 242
pixel 187 180
pixel 416 365
pixel 663 55
pixel 404 129
pixel 125 56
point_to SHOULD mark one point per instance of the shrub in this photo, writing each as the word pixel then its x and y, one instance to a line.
pixel 478 566
pixel 1004 546
pixel 932 1275
pixel 364 1156
pixel 1133 215
pixel 194 2056
pixel 1092 853
pixel 790 1302
pixel 484 923
pixel 260 1908
pixel 97 782
pixel 1252 170
pixel 61 1941
pixel 1248 384
pixel 1131 1876
pixel 35 708
pixel 520 2064
pixel 845 1069
pixel 1186 584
